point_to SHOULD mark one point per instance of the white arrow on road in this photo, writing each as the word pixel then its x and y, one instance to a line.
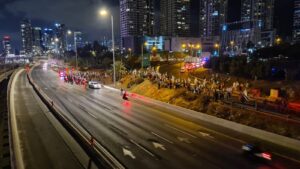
pixel 158 145
pixel 127 152
pixel 182 139
pixel 205 134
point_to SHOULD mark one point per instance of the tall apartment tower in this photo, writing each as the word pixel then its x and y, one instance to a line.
pixel 48 38
pixel 213 14
pixel 296 25
pixel 37 39
pixel 60 33
pixel 260 11
pixel 136 20
pixel 26 33
pixel 6 45
pixel 175 18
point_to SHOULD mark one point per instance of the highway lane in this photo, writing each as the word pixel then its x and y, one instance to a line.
pixel 142 135
pixel 41 146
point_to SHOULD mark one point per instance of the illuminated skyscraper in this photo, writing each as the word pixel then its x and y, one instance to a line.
pixel 6 45
pixel 26 33
pixel 213 15
pixel 48 38
pixel 37 39
pixel 175 18
pixel 296 26
pixel 137 20
pixel 261 11
pixel 60 33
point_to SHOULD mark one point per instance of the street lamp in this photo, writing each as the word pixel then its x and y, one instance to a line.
pixel 56 40
pixel 217 46
pixel 75 46
pixel 278 40
pixel 144 44
pixel 69 32
pixel 232 45
pixel 129 50
pixel 104 13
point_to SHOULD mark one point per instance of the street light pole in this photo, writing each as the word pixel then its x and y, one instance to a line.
pixel 142 56
pixel 143 45
pixel 113 48
pixel 104 12
pixel 75 48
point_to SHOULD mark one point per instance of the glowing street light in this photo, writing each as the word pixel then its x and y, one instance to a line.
pixel 104 13
pixel 278 40
pixel 217 46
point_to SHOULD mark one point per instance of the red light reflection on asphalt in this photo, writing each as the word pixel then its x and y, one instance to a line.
pixel 139 97
pixel 127 107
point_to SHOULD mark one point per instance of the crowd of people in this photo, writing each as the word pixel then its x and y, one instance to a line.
pixel 82 78
pixel 215 87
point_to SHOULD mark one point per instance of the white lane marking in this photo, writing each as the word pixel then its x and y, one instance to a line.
pixel 162 137
pixel 181 131
pixel 127 152
pixel 84 109
pixel 141 147
pixel 205 134
pixel 182 139
pixel 158 145
pixel 92 115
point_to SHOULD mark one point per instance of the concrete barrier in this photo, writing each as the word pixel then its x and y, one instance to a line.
pixel 15 150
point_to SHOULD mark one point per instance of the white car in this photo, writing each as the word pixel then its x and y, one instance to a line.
pixel 94 85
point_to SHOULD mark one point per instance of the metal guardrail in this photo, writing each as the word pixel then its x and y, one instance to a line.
pixel 100 155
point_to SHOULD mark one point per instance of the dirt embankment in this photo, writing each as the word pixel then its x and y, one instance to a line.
pixel 204 104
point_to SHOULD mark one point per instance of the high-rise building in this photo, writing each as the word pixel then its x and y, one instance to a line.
pixel 296 25
pixel 175 18
pixel 26 33
pixel 6 45
pixel 137 20
pixel 37 40
pixel 60 33
pixel 213 15
pixel 261 11
pixel 48 38
pixel 79 39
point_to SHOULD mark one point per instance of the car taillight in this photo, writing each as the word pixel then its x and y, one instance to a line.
pixel 266 156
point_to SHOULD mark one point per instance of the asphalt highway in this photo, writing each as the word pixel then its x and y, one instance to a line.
pixel 143 135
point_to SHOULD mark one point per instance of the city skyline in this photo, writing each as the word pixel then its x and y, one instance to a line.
pixel 95 30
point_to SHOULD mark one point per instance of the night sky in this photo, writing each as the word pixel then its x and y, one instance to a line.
pixel 82 15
